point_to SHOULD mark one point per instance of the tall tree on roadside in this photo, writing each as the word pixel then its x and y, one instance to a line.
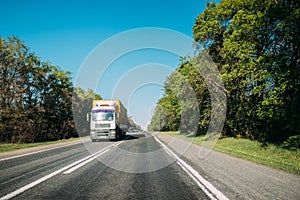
pixel 35 97
pixel 256 47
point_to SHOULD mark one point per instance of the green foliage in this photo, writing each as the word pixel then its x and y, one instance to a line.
pixel 292 142
pixel 82 104
pixel 35 97
pixel 256 47
pixel 179 108
pixel 269 154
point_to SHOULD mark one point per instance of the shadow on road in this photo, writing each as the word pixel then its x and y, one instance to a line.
pixel 134 136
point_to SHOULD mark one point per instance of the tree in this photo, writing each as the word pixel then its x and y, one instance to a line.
pixel 82 105
pixel 178 109
pixel 35 97
pixel 256 47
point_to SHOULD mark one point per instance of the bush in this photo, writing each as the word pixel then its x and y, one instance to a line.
pixel 292 142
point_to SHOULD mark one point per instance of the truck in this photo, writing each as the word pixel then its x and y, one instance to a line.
pixel 108 120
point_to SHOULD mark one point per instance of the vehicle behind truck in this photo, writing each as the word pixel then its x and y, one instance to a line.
pixel 108 120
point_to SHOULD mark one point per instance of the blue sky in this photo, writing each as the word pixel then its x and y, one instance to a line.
pixel 66 32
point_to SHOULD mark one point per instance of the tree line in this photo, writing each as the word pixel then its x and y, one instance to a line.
pixel 36 97
pixel 255 45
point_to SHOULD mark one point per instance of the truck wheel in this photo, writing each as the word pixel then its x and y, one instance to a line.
pixel 93 140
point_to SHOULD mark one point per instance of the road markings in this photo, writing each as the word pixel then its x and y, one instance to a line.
pixel 210 190
pixel 100 153
pixel 33 184
pixel 27 154
pixel 84 163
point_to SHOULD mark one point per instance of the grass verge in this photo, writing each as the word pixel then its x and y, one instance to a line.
pixel 269 155
pixel 5 147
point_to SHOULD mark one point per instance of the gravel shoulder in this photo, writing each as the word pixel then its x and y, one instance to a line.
pixel 235 177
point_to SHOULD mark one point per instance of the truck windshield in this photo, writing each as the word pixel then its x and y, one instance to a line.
pixel 102 115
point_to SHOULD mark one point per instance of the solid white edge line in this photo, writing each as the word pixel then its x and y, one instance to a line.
pixel 200 180
pixel 27 154
pixel 30 185
pixel 202 187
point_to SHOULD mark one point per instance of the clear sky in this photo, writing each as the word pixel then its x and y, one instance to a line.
pixel 65 32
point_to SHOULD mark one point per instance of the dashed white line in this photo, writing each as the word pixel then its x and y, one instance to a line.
pixel 79 162
pixel 100 153
pixel 211 191
pixel 84 163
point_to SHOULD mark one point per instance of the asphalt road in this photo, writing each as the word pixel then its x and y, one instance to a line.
pixel 92 179
pixel 138 167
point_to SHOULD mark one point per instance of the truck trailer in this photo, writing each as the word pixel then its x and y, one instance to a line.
pixel 108 120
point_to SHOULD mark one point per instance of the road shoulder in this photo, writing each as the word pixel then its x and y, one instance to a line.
pixel 31 150
pixel 235 177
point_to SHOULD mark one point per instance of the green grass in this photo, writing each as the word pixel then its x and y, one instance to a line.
pixel 269 155
pixel 4 147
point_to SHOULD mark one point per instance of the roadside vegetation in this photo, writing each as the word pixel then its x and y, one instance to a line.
pixel 275 156
pixel 36 97
pixel 5 147
pixel 256 48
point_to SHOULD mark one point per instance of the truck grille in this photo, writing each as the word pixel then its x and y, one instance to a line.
pixel 102 125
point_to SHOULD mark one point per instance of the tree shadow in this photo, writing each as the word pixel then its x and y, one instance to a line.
pixel 134 137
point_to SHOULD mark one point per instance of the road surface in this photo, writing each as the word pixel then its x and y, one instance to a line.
pixel 139 167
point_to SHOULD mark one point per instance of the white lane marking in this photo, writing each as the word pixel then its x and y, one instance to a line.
pixel 31 185
pixel 84 163
pixel 201 182
pixel 27 154
pixel 118 143
pixel 91 159
pixel 198 183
